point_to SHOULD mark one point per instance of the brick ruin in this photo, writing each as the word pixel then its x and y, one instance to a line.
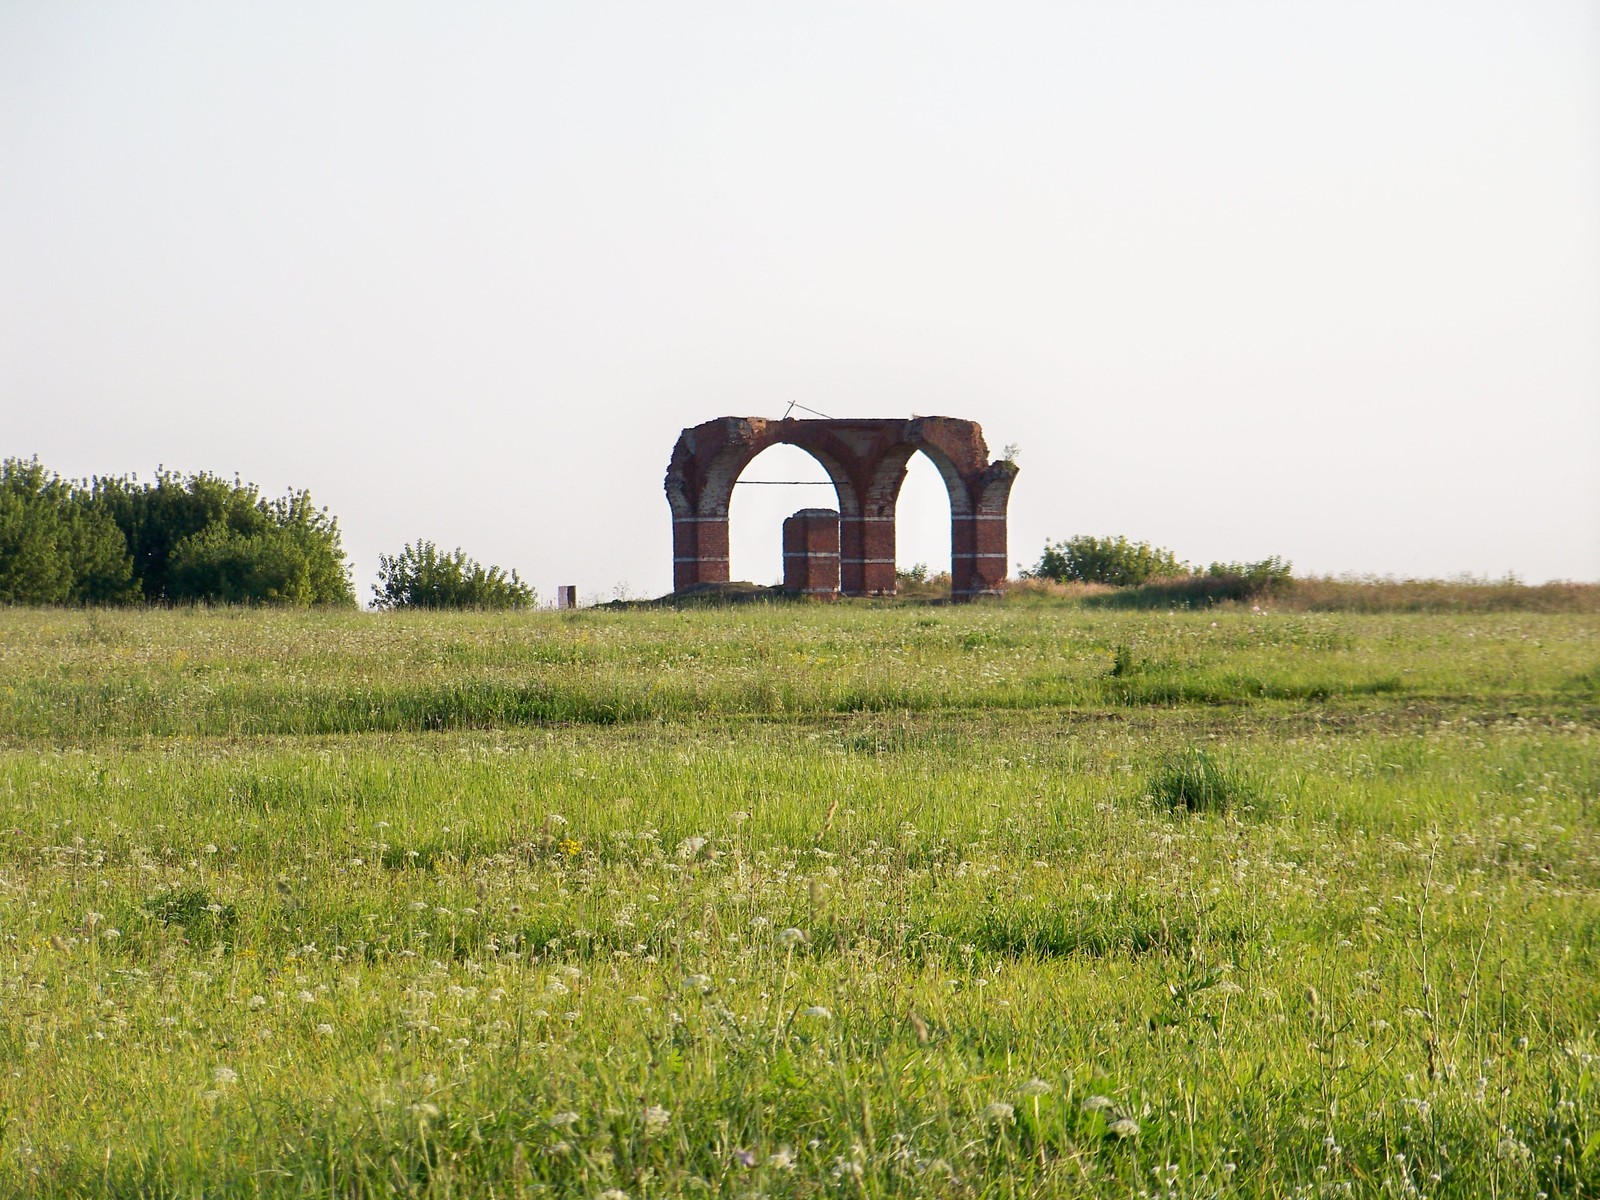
pixel 866 460
pixel 811 553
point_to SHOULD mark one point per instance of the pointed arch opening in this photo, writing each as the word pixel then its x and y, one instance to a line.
pixel 777 482
pixel 922 526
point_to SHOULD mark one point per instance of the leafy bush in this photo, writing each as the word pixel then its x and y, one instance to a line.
pixel 918 582
pixel 1194 781
pixel 1249 581
pixel 1221 583
pixel 1112 560
pixel 1123 663
pixel 421 577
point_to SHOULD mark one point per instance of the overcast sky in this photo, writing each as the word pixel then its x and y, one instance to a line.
pixel 1311 279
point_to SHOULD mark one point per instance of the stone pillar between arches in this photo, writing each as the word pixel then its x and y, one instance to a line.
pixel 811 553
pixel 699 551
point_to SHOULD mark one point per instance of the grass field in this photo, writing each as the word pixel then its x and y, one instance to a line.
pixel 851 901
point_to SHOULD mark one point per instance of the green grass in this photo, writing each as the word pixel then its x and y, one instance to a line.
pixel 355 905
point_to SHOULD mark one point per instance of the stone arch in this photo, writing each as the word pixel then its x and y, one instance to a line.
pixel 866 460
pixel 707 462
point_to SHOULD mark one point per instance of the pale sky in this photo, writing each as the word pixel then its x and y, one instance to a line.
pixel 1317 279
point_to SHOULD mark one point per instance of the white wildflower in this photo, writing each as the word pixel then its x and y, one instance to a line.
pixel 1034 1087
pixel 656 1119
pixel 791 936
pixel 817 1011
pixel 563 1120
pixel 225 1076
pixel 1123 1127
pixel 999 1113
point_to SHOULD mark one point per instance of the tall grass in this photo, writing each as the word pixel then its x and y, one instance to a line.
pixel 1353 594
pixel 798 901
pixel 190 673
pixel 1381 594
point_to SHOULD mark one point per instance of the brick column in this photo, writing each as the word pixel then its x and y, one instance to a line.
pixel 866 563
pixel 811 553
pixel 978 555
pixel 852 581
pixel 877 555
pixel 978 538
pixel 699 551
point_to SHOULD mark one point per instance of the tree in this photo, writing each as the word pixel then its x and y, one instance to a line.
pixel 316 532
pixel 421 577
pixel 186 538
pixel 32 569
pixel 222 565
pixel 202 538
pixel 55 547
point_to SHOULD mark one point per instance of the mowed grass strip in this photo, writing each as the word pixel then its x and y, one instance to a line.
pixel 948 947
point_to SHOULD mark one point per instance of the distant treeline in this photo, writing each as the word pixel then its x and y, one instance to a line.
pixel 174 539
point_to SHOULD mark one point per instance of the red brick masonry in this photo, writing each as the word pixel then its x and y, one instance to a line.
pixel 811 553
pixel 867 462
